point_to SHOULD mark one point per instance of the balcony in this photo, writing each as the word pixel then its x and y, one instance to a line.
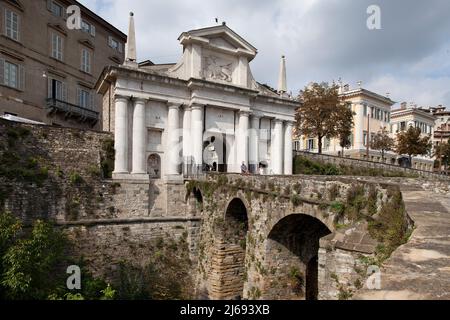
pixel 72 111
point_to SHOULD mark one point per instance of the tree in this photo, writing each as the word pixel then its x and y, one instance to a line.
pixel 411 143
pixel 344 128
pixel 442 154
pixel 321 112
pixel 383 142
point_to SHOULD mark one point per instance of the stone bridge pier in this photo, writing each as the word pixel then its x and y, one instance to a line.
pixel 261 237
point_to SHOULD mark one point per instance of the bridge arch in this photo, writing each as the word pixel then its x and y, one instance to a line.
pixel 229 266
pixel 291 252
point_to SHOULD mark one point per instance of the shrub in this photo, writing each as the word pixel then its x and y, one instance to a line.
pixel 75 178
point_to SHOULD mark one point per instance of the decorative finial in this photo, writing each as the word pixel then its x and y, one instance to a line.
pixel 282 83
pixel 130 47
pixel 131 14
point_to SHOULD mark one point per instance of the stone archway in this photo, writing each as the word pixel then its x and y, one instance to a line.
pixel 154 166
pixel 291 258
pixel 228 268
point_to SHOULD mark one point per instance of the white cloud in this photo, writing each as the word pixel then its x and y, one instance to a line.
pixel 322 39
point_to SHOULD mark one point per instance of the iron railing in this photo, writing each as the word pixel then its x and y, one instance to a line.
pixel 71 110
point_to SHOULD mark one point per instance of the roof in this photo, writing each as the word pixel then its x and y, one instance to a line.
pixel 368 93
pixel 99 19
pixel 403 112
pixel 223 29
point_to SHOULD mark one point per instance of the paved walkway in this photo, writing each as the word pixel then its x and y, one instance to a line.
pixel 419 269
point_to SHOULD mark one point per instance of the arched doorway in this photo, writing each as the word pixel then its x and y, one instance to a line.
pixel 292 257
pixel 154 166
pixel 229 266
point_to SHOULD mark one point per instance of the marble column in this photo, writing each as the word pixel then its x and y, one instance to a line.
pixel 254 144
pixel 139 138
pixel 242 140
pixel 172 165
pixel 277 148
pixel 121 135
pixel 288 154
pixel 187 142
pixel 197 136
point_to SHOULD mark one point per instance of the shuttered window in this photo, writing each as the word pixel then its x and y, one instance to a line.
pixel 11 24
pixel 57 46
pixel 115 44
pixel 86 60
pixel 12 75
pixel 57 89
pixel 88 28
pixel 85 98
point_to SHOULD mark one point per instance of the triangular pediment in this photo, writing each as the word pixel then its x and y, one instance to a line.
pixel 221 37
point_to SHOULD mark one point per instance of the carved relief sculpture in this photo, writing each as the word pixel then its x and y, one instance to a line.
pixel 217 69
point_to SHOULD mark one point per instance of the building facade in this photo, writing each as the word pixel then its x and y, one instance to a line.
pixel 372 112
pixel 406 117
pixel 205 112
pixel 442 125
pixel 48 71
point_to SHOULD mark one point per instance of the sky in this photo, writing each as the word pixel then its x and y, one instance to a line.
pixel 323 40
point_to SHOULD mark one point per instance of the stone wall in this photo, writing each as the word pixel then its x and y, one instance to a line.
pixel 359 163
pixel 109 221
pixel 294 235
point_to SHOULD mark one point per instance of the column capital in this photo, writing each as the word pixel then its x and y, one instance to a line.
pixel 139 100
pixel 244 113
pixel 255 116
pixel 174 105
pixel 289 122
pixel 118 97
pixel 196 106
pixel 276 120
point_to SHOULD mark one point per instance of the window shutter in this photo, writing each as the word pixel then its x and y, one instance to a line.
pixel 49 5
pixel 21 78
pixel 49 88
pixel 79 97
pixel 64 92
pixel 91 102
pixel 92 30
pixel 110 41
pixel 2 71
pixel 120 47
pixel 18 28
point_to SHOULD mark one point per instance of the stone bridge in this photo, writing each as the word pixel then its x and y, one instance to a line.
pixel 276 237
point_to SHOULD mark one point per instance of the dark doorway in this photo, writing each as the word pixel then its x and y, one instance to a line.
pixel 312 279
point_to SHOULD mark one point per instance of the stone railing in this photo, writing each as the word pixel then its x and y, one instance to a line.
pixel 350 162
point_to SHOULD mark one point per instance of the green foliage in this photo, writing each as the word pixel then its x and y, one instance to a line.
pixel 28 263
pixel 303 165
pixel 390 228
pixel 411 142
pixel 94 171
pixel 165 276
pixel 333 192
pixel 321 113
pixel 75 178
pixel 107 158
pixel 296 200
pixel 382 141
